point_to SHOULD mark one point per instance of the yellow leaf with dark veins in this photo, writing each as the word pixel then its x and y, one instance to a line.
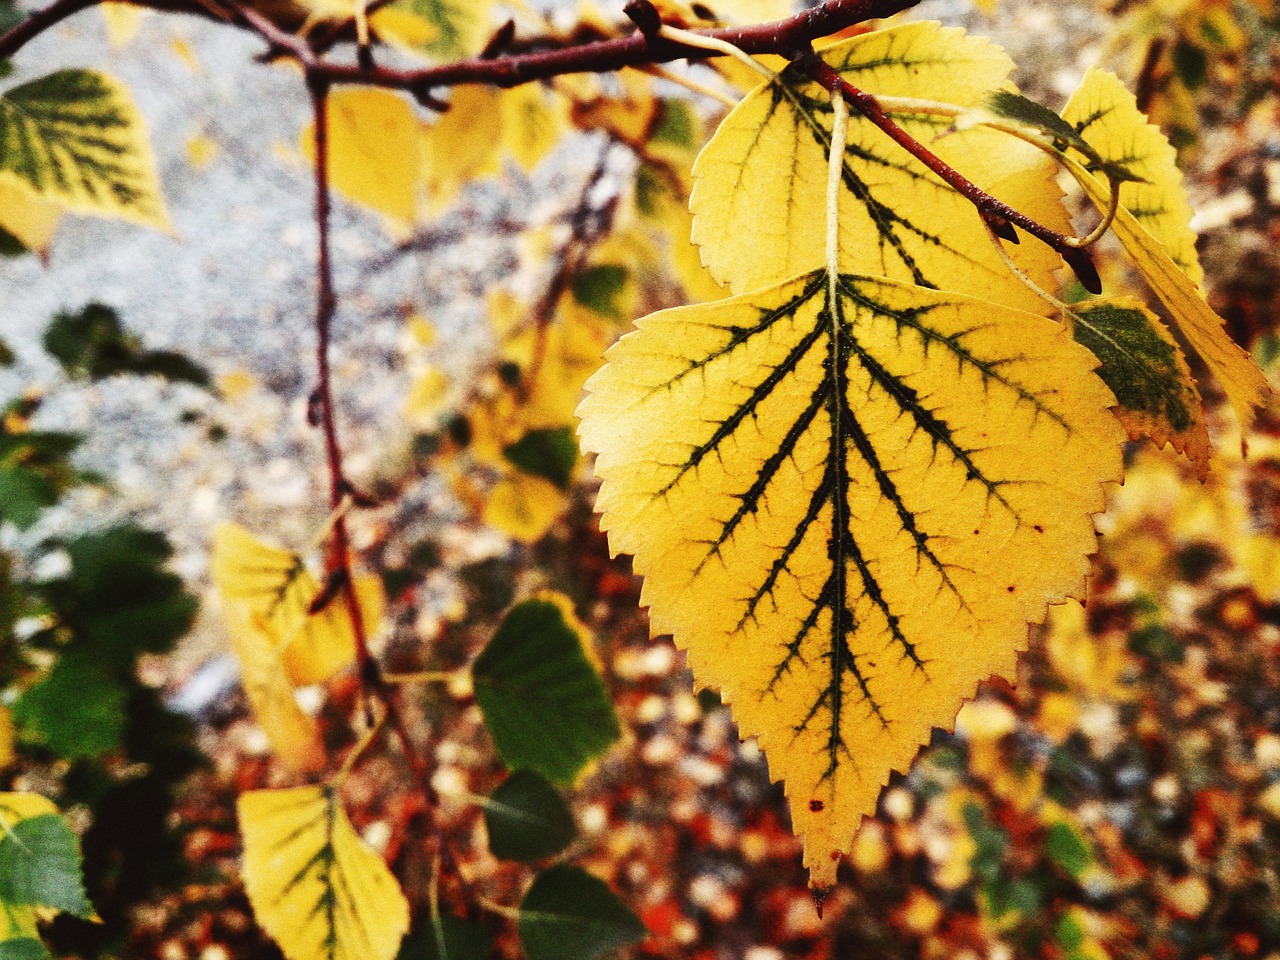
pixel 848 501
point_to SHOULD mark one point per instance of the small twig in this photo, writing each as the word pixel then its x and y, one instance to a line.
pixel 40 21
pixel 990 209
pixel 692 85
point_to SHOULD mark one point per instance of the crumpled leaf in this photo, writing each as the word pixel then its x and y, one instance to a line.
pixel 849 522
pixel 759 201
pixel 315 886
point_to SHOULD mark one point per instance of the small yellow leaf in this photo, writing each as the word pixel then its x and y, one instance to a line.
pixel 427 396
pixel 315 886
pixel 462 144
pixel 1107 117
pixel 847 500
pixel 16 807
pixel 524 507
pixel 201 151
pixel 759 200
pixel 186 55
pixel 402 28
pixel 123 21
pixel 373 150
pixel 533 120
pixel 30 217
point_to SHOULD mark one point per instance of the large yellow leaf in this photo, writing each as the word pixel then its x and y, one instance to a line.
pixel 759 201
pixel 1108 119
pixel 276 591
pixel 315 886
pixel 849 522
pixel 373 150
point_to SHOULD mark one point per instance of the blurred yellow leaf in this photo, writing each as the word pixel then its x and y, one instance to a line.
pixel 524 507
pixel 315 886
pixel 427 395
pixel 123 21
pixel 533 120
pixel 30 217
pixel 373 150
pixel 202 150
pixel 462 144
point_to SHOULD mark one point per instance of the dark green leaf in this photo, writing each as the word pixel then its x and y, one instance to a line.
pixel 674 124
pixel 542 699
pixel 570 915
pixel 75 711
pixel 447 938
pixel 527 819
pixel 7 357
pixel 598 288
pixel 94 344
pixel 24 494
pixel 40 865
pixel 10 246
pixel 551 454
pixel 1067 849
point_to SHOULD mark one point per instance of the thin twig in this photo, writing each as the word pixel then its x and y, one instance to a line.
pixel 40 21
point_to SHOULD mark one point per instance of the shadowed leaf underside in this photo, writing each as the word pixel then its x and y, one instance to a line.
pixel 314 885
pixel 848 510
pixel 760 193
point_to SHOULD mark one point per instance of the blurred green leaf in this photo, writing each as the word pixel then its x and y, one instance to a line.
pixel 527 819
pixel 77 710
pixel 94 344
pixel 1066 848
pixel 542 699
pixel 551 454
pixel 598 288
pixel 570 915
pixel 447 938
pixel 24 494
pixel 23 948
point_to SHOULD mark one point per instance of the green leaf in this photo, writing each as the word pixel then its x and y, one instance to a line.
pixel 75 711
pixel 551 454
pixel 542 699
pixel 23 948
pixel 94 344
pixel 1144 367
pixel 7 357
pixel 40 866
pixel 570 915
pixel 24 494
pixel 598 288
pixel 675 124
pixel 448 938
pixel 76 137
pixel 1067 849
pixel 527 819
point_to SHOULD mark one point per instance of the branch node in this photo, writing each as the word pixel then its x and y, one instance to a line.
pixel 426 97
pixel 1000 226
pixel 645 16
pixel 1081 263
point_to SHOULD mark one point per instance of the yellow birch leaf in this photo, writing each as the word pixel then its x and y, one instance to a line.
pixel 533 120
pixel 1108 119
pixel 403 29
pixel 849 523
pixel 524 507
pixel 759 200
pixel 1157 255
pixel 76 137
pixel 373 150
pixel 123 21
pixel 460 27
pixel 276 591
pixel 293 735
pixel 462 144
pixel 1143 365
pixel 427 396
pixel 30 217
pixel 315 886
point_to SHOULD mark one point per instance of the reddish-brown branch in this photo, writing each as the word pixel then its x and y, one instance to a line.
pixel 40 21
pixel 993 211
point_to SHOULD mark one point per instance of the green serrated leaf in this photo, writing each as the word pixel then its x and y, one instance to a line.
pixel 542 698
pixel 527 819
pixel 598 288
pixel 570 915
pixel 447 938
pixel 551 454
pixel 40 866
pixel 77 138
